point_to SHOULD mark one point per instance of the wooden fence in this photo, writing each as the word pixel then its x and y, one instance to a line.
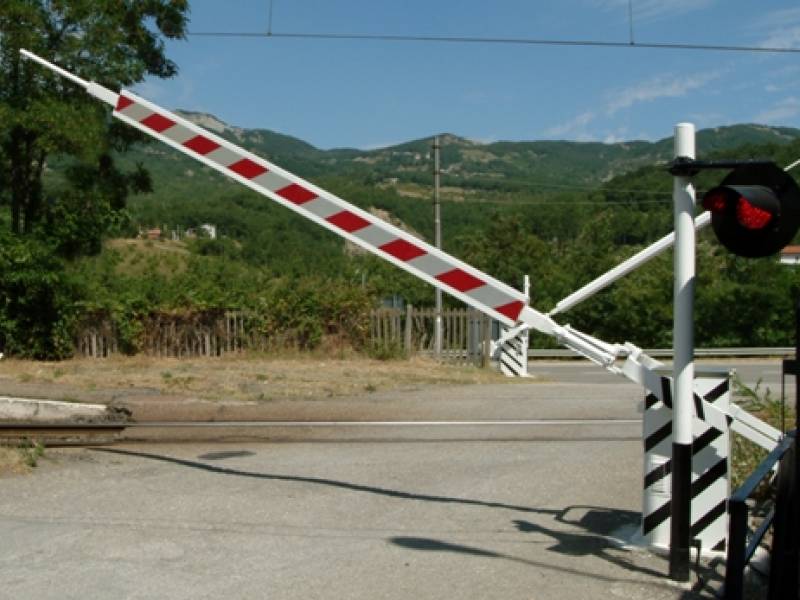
pixel 465 334
pixel 177 336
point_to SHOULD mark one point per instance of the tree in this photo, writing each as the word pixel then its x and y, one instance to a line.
pixel 114 42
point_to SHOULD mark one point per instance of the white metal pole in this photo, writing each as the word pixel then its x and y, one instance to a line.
pixel 683 366
pixel 437 221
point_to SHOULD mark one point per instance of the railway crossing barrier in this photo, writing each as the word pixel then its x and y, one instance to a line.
pixel 511 308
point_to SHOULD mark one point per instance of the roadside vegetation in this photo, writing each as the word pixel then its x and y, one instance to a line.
pixel 20 459
pixel 76 187
pixel 762 403
pixel 250 377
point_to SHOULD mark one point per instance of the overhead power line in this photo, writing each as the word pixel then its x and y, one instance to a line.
pixel 492 40
pixel 514 203
pixel 568 186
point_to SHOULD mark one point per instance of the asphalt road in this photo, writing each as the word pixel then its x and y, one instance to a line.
pixel 527 520
pixel 750 371
pixel 535 509
pixel 523 491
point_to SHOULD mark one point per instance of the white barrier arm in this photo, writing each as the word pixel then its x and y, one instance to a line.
pixel 641 368
pixel 441 270
pixel 92 88
pixel 624 268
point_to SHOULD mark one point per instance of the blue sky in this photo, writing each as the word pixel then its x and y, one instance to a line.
pixel 368 94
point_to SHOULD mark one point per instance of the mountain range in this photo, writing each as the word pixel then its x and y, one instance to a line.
pixel 468 167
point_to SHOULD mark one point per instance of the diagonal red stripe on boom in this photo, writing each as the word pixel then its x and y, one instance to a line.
pixel 296 193
pixel 511 310
pixel 402 250
pixel 460 280
pixel 123 103
pixel 348 221
pixel 201 144
pixel 158 122
pixel 247 168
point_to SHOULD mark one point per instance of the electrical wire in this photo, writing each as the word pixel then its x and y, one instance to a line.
pixel 492 40
pixel 515 203
pixel 582 188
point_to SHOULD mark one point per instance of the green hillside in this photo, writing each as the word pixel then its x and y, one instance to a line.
pixel 542 167
pixel 560 212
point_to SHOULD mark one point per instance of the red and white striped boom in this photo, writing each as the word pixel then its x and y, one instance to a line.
pixel 430 264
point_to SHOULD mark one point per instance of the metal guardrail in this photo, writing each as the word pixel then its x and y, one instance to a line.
pixel 740 550
pixel 667 352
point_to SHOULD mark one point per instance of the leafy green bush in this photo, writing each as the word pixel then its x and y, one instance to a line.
pixel 745 455
pixel 31 452
pixel 38 300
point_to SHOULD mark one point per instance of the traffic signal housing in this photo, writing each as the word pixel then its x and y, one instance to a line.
pixel 755 211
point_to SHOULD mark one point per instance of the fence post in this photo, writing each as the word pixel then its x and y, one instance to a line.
pixel 487 342
pixel 737 540
pixel 409 323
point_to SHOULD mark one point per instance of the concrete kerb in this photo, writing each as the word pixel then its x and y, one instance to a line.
pixel 31 410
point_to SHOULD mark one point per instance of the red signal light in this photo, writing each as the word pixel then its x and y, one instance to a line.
pixel 751 216
pixel 755 211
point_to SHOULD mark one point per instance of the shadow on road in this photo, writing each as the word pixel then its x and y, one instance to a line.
pixel 356 487
pixel 596 523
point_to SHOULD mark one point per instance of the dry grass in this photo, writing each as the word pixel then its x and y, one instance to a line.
pixel 245 377
pixel 12 462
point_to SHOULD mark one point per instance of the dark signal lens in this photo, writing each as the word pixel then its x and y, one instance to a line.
pixel 751 216
pixel 715 202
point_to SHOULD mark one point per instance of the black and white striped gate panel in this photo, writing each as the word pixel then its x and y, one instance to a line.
pixel 710 464
pixel 514 355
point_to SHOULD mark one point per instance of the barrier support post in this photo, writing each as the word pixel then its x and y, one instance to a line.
pixel 683 365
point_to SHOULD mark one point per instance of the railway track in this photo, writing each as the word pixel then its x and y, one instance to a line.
pixel 60 434
pixel 84 434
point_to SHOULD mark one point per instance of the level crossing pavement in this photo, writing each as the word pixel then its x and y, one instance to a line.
pixel 513 511
pixel 751 371
pixel 537 497
pixel 390 519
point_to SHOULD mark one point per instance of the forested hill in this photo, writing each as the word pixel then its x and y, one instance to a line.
pixel 551 210
pixel 560 212
pixel 468 164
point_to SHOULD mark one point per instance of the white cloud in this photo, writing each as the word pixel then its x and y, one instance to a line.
pixel 571 126
pixel 782 28
pixel 779 112
pixel 786 37
pixel 662 86
pixel 651 90
pixel 653 10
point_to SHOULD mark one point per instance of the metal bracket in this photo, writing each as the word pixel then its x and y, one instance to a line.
pixel 689 167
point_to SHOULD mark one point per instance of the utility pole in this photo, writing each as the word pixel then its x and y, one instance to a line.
pixel 437 223
pixel 683 362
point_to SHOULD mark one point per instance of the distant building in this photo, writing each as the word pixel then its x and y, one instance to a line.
pixel 211 230
pixel 205 230
pixel 153 234
pixel 790 255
